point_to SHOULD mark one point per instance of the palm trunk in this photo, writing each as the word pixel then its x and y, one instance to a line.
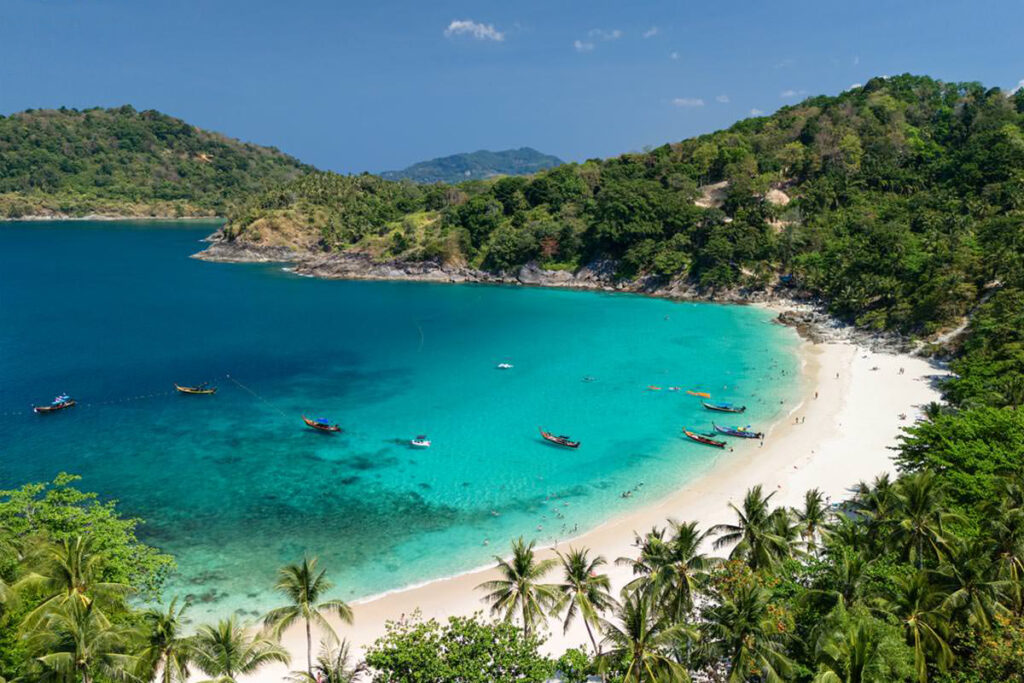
pixel 597 649
pixel 309 650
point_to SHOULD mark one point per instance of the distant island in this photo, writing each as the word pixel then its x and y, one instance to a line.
pixel 478 165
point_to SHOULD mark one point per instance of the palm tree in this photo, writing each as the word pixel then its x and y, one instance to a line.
pixel 675 568
pixel 583 590
pixel 643 639
pixel 79 643
pixel 1006 533
pixel 813 519
pixel 519 591
pixel 847 650
pixel 875 501
pixel 919 607
pixel 756 533
pixel 333 664
pixel 303 585
pixel 72 574
pixel 844 574
pixel 743 628
pixel 166 649
pixel 226 651
pixel 918 518
pixel 971 578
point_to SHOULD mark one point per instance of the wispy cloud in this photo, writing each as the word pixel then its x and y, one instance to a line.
pixel 854 86
pixel 673 55
pixel 651 32
pixel 856 60
pixel 756 112
pixel 1020 85
pixel 688 102
pixel 785 63
pixel 786 94
pixel 468 27
pixel 581 46
pixel 602 34
pixel 724 99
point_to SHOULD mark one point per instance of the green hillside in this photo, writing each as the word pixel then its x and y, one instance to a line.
pixel 476 166
pixel 906 196
pixel 126 162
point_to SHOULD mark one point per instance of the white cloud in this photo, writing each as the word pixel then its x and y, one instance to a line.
pixel 786 94
pixel 673 55
pixel 856 60
pixel 651 32
pixel 1020 85
pixel 724 99
pixel 581 46
pixel 756 112
pixel 602 34
pixel 688 102
pixel 854 86
pixel 477 30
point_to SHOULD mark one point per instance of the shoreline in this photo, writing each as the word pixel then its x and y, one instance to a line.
pixel 43 218
pixel 848 429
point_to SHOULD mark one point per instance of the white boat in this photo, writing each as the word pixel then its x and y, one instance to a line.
pixel 505 366
pixel 420 441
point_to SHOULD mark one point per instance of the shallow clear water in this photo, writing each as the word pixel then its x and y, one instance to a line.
pixel 234 485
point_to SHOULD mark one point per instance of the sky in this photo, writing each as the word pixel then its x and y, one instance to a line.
pixel 378 84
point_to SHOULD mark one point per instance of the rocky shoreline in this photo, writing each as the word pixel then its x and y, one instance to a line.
pixel 806 314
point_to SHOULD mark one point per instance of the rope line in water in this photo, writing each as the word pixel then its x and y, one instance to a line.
pixel 268 403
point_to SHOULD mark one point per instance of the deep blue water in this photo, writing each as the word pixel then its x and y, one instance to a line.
pixel 234 485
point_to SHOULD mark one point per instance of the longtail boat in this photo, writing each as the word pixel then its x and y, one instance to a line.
pixel 745 432
pixel 704 394
pixel 199 389
pixel 560 440
pixel 321 424
pixel 59 403
pixel 723 407
pixel 700 438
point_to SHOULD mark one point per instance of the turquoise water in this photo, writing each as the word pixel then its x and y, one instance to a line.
pixel 234 485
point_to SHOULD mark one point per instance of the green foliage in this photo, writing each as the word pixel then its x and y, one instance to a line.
pixel 574 666
pixel 465 649
pixel 97 156
pixel 458 168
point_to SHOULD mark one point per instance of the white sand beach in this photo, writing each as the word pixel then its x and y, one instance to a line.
pixel 848 420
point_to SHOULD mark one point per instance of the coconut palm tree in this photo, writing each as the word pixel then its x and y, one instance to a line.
pixel 520 591
pixel 813 520
pixel 304 587
pixel 70 572
pixel 226 651
pixel 875 501
pixel 584 592
pixel 1006 533
pixel 167 650
pixel 643 639
pixel 674 568
pixel 756 532
pixel 80 643
pixel 333 664
pixel 918 518
pixel 743 629
pixel 971 579
pixel 918 605
pixel 848 650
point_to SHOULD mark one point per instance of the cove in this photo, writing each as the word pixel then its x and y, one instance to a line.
pixel 234 485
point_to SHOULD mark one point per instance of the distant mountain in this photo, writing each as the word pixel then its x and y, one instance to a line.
pixel 476 165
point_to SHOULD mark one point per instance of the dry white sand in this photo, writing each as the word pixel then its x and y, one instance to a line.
pixel 849 419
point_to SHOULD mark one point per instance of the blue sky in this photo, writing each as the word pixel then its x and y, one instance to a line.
pixel 376 85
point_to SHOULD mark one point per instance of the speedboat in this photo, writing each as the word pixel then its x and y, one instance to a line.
pixel 505 366
pixel 420 441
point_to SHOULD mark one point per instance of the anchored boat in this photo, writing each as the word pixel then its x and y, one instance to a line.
pixel 723 407
pixel 560 440
pixel 321 424
pixel 420 441
pixel 59 403
pixel 198 389
pixel 700 438
pixel 744 432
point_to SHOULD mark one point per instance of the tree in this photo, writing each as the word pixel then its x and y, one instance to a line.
pixel 465 649
pixel 166 650
pixel 641 641
pixel 79 642
pixel 745 628
pixel 226 651
pixel 304 586
pixel 333 664
pixel 755 534
pixel 519 591
pixel 813 519
pixel 856 648
pixel 917 604
pixel 971 579
pixel 584 592
pixel 71 574
pixel 674 568
pixel 916 527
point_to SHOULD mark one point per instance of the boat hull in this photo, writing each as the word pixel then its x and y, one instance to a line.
pixel 43 410
pixel 562 441
pixel 194 391
pixel 703 439
pixel 322 428
pixel 723 409
pixel 741 433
